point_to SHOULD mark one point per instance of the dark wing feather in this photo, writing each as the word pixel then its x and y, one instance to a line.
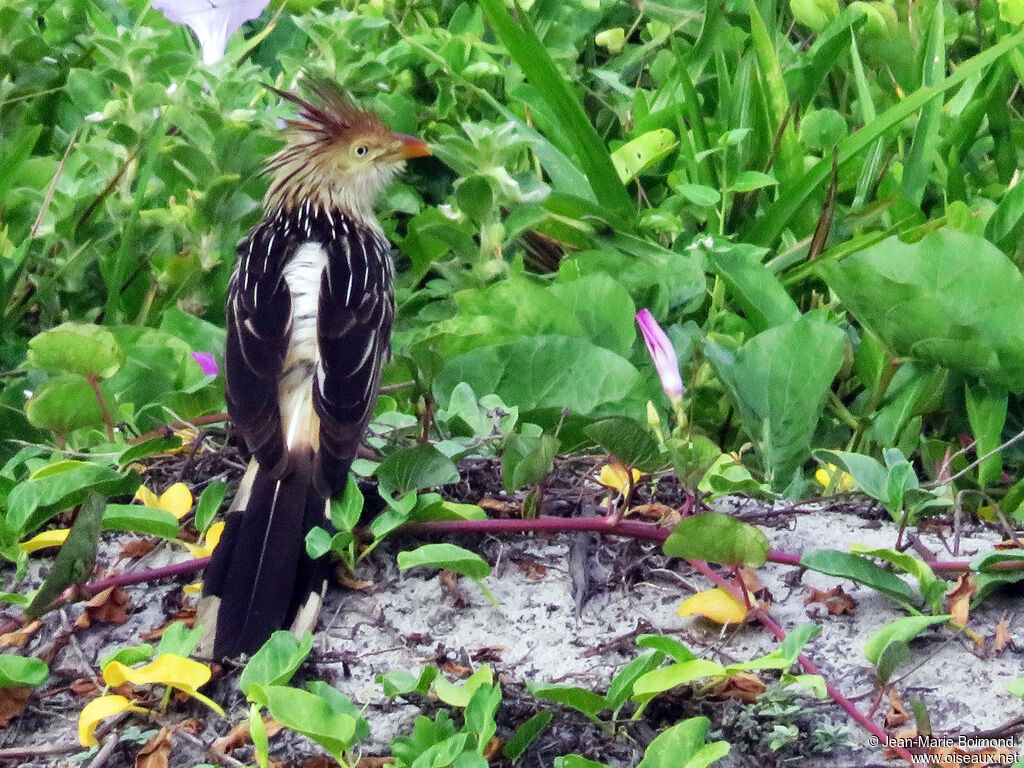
pixel 258 329
pixel 354 331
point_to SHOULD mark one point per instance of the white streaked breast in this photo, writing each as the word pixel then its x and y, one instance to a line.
pixel 302 274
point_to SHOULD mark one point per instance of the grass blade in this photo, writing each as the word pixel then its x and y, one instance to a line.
pixel 767 229
pixel 919 161
pixel 526 48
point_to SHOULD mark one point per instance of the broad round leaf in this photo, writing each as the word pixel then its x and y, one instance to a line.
pixel 718 538
pixel 88 350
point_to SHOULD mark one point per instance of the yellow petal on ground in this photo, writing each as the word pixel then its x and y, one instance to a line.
pixel 147 497
pixel 614 476
pixel 170 669
pixel 177 500
pixel 716 604
pixel 99 709
pixel 209 543
pixel 53 538
pixel 195 588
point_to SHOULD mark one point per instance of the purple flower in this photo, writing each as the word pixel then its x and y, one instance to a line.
pixel 206 362
pixel 663 354
pixel 213 21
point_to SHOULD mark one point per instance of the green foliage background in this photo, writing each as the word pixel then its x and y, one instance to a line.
pixel 817 202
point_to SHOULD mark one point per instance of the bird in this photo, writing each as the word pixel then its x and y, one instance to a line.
pixel 309 312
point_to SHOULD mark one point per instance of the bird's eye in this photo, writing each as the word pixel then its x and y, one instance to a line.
pixel 361 151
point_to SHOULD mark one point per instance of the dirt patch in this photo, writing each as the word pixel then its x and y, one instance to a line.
pixel 571 607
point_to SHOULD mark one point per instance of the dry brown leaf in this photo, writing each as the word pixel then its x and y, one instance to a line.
pixel 450 582
pixel 959 598
pixel 186 615
pixel 897 714
pixel 110 606
pixel 454 669
pixel 136 548
pixel 240 735
pixel 492 749
pixel 368 762
pixel 835 600
pixel 1010 544
pixel 488 653
pixel 351 582
pixel 12 702
pixel 501 507
pixel 156 752
pixel 323 761
pixel 745 686
pixel 1003 638
pixel 531 569
pixel 655 511
pixel 905 736
pixel 755 587
pixel 86 687
pixel 19 638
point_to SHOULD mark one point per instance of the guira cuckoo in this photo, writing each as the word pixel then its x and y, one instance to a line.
pixel 309 313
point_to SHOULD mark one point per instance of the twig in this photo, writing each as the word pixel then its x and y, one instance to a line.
pixel 109 744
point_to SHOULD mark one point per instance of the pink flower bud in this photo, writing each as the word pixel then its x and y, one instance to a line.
pixel 663 354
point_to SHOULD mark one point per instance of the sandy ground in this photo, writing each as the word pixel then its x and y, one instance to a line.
pixel 554 626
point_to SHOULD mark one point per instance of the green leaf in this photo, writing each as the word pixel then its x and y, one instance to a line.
pixel 63 404
pixel 587 702
pixel 460 694
pixel 276 660
pixel 136 518
pixel 527 459
pixel 903 630
pixel 748 181
pixel 59 486
pixel 88 350
pixel 925 301
pixel 575 761
pixel 683 746
pixel 525 734
pixel 347 508
pixel 635 156
pixel 400 683
pixel 479 715
pixel 209 504
pixel 22 670
pixel 667 645
pixel 629 441
pixel 932 587
pixel 621 686
pixel 822 129
pixel 75 559
pixel 543 372
pixel 718 538
pixel 152 447
pixel 756 289
pixel 307 714
pixel 986 411
pixel 447 556
pixel 409 469
pixel 179 639
pixel 893 654
pixel 859 569
pixel 665 679
pixel 128 656
pixel 779 380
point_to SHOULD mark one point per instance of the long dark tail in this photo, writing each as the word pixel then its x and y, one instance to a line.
pixel 260 578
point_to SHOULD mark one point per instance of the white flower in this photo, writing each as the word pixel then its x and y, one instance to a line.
pixel 212 21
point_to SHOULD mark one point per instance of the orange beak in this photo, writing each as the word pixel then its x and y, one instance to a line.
pixel 411 146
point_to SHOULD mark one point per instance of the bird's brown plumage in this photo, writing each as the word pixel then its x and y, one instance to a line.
pixel 308 328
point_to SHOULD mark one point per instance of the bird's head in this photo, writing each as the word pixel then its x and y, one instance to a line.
pixel 337 155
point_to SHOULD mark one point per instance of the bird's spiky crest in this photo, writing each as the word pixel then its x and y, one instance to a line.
pixel 324 127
